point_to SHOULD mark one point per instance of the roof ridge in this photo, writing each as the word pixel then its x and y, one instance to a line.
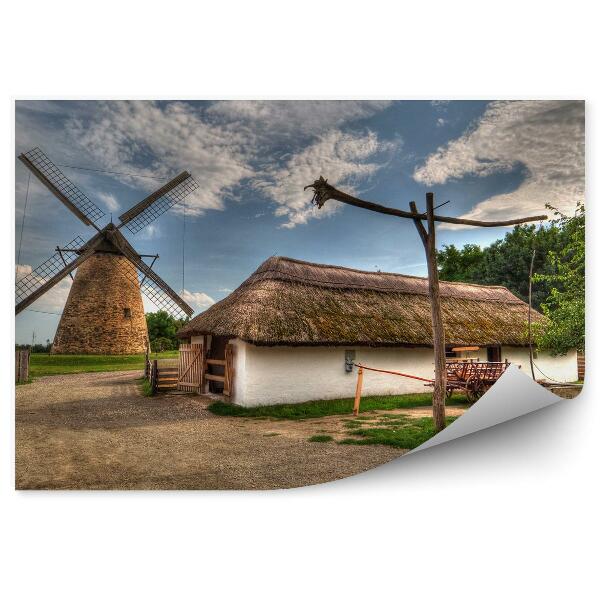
pixel 352 269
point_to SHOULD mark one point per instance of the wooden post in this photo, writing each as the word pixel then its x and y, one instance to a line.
pixel 147 363
pixel 154 377
pixel 21 366
pixel 529 316
pixel 437 322
pixel 358 392
pixel 439 338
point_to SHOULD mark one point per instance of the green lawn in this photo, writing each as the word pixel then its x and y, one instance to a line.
pixel 61 364
pixel 323 408
pixel 399 431
pixel 320 438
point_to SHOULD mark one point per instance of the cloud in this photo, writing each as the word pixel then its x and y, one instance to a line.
pixel 54 299
pixel 111 203
pixel 546 137
pixel 340 157
pixel 150 232
pixel 292 118
pixel 225 145
pixel 160 140
pixel 22 270
pixel 197 300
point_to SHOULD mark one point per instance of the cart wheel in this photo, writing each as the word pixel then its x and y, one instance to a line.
pixel 474 395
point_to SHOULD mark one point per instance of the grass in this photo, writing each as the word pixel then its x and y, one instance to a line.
pixel 62 364
pixel 146 386
pixel 406 433
pixel 323 408
pixel 320 438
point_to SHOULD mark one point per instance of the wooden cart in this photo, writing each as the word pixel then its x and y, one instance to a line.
pixel 473 378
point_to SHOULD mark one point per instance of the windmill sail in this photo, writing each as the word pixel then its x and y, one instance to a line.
pixel 159 202
pixel 35 284
pixel 157 290
pixel 61 186
pixel 28 283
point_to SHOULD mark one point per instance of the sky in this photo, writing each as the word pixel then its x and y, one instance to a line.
pixel 488 159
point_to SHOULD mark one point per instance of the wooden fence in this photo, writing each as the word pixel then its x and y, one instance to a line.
pixel 581 366
pixel 21 365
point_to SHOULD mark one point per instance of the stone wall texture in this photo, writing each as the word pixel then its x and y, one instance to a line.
pixel 95 319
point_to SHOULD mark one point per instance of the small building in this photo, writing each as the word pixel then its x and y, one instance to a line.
pixel 295 328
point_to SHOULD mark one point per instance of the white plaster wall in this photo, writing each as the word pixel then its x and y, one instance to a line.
pixel 559 368
pixel 239 370
pixel 283 374
pixel 279 375
pixel 199 339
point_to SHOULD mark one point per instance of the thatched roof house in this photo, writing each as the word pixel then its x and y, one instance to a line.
pixel 288 302
pixel 288 320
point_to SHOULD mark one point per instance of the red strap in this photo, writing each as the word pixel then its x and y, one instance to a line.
pixel 394 373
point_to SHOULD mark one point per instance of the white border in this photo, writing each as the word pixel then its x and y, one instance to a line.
pixel 509 512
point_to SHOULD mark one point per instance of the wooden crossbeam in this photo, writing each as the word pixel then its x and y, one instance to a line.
pixel 211 377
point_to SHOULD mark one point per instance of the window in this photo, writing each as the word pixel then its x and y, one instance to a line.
pixel 493 354
pixel 127 313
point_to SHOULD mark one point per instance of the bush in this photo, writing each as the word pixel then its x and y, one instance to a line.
pixel 163 344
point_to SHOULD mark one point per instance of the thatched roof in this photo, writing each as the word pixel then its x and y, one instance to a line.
pixel 292 302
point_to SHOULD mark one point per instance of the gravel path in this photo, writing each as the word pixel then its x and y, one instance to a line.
pixel 96 431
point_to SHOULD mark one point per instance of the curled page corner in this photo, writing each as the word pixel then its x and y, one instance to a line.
pixel 513 395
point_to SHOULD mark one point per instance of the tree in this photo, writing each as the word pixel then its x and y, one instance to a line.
pixel 162 330
pixel 565 304
pixel 460 265
pixel 507 261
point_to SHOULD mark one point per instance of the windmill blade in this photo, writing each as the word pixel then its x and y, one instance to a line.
pixel 33 285
pixel 157 290
pixel 61 186
pixel 159 202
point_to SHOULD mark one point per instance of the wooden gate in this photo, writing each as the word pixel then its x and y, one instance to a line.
pixel 191 368
pixel 227 363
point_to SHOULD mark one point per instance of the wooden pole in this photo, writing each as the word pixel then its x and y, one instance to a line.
pixel 439 339
pixel 21 366
pixel 437 323
pixel 529 316
pixel 358 392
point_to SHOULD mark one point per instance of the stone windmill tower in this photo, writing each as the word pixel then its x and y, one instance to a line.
pixel 104 313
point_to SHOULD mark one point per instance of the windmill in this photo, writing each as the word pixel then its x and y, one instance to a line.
pixel 104 313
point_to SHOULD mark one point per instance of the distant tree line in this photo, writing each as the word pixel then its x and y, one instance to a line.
pixel 559 268
pixel 162 330
pixel 36 348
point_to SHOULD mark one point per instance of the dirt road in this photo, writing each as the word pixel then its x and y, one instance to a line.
pixel 96 431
